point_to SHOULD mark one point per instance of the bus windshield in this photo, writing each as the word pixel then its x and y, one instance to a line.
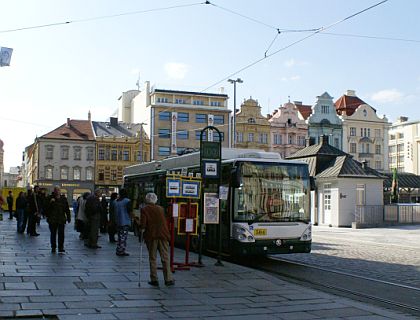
pixel 272 192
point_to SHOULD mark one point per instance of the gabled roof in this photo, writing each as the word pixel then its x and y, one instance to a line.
pixel 348 104
pixel 115 130
pixel 72 130
pixel 322 148
pixel 305 110
pixel 346 166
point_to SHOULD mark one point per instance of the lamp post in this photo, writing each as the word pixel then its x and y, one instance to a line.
pixel 238 80
pixel 141 142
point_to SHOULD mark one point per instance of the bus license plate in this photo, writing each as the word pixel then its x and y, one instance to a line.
pixel 260 232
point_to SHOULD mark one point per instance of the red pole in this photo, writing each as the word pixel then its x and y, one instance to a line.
pixel 172 230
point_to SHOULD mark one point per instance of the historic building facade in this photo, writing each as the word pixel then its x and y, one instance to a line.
pixel 174 119
pixel 324 121
pixel 365 134
pixel 288 130
pixel 118 145
pixel 252 128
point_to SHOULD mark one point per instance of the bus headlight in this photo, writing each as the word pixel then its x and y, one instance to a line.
pixel 242 234
pixel 307 234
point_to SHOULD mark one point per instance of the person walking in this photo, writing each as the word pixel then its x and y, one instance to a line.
pixel 34 206
pixel 81 223
pixel 93 210
pixel 156 236
pixel 57 212
pixel 9 200
pixel 20 211
pixel 104 215
pixel 124 216
pixel 112 223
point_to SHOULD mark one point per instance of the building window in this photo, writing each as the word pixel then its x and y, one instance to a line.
pixel 360 194
pixel 239 137
pixel 164 133
pixel 378 165
pixel 378 149
pixel 49 152
pixel 277 138
pixel 219 119
pixel 101 154
pixel 290 139
pixel 64 153
pixel 64 173
pixel 377 133
pixel 90 154
pixel 215 103
pixel 114 154
pixel 182 135
pixel 353 131
pixel 251 120
pixel 392 137
pixel 198 133
pixel 89 173
pixel 180 101
pixel 183 117
pixel 164 116
pixel 325 109
pixel 400 135
pixel 113 175
pixel 352 148
pixel 400 147
pixel 198 102
pixel 216 136
pixel 126 155
pixel 77 153
pixel 162 100
pixel 327 196
pixel 200 118
pixel 76 173
pixel 164 151
pixel 250 137
pixel 101 175
pixel 301 141
pixel 263 138
pixel 49 172
pixel 337 143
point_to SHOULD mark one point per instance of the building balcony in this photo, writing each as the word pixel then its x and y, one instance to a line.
pixel 365 155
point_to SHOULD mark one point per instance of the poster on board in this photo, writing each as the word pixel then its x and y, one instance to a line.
pixel 211 208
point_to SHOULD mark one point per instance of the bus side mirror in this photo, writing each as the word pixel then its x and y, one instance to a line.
pixel 235 178
pixel 312 183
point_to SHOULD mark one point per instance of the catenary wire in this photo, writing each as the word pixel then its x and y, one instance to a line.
pixel 101 17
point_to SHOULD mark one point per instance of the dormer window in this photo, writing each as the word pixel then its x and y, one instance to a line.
pixel 251 120
pixel 364 112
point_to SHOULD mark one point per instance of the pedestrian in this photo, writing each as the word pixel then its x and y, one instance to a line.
pixel 155 230
pixel 124 216
pixel 81 223
pixel 33 211
pixel 112 223
pixel 93 210
pixel 57 212
pixel 104 215
pixel 20 211
pixel 9 200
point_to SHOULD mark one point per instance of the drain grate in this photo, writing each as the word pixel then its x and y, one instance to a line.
pixel 89 285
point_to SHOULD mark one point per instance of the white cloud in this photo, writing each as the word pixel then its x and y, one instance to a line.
pixel 293 63
pixel 176 70
pixel 387 96
pixel 292 78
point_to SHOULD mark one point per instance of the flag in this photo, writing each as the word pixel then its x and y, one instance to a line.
pixel 394 186
pixel 5 56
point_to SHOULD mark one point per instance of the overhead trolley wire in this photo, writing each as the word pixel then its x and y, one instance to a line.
pixel 294 43
pixel 102 17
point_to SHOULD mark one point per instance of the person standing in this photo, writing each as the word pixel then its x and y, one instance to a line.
pixel 81 220
pixel 104 215
pixel 156 235
pixel 9 200
pixel 124 216
pixel 20 211
pixel 57 212
pixel 93 210
pixel 112 224
pixel 33 211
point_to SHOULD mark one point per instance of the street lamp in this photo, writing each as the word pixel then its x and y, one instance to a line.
pixel 238 80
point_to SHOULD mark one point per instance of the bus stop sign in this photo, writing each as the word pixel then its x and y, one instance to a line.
pixel 210 150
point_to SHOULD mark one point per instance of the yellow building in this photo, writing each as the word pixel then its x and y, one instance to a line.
pixel 118 145
pixel 252 128
pixel 174 119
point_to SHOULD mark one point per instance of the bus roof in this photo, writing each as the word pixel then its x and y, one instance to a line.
pixel 193 159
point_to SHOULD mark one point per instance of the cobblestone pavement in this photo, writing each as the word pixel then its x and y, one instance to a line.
pixel 96 284
pixel 388 254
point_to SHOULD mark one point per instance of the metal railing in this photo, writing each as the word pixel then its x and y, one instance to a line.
pixel 393 213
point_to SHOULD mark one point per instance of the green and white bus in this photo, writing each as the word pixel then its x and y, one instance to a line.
pixel 267 210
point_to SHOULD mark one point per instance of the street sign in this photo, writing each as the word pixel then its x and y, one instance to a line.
pixel 210 150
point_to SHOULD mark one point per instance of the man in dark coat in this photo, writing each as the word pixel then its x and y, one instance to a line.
pixel 93 209
pixel 57 212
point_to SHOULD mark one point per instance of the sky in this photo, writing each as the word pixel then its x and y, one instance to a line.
pixel 64 70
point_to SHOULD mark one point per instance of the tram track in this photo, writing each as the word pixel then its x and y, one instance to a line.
pixel 394 296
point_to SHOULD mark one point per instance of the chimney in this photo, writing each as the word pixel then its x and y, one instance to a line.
pixel 113 121
pixel 310 141
pixel 89 116
pixel 351 93
pixel 324 139
pixel 222 90
pixel 364 164
pixel 68 122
